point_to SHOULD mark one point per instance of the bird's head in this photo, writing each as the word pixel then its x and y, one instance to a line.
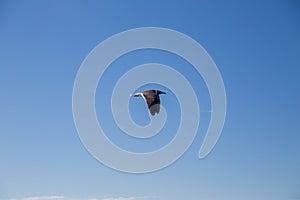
pixel 160 92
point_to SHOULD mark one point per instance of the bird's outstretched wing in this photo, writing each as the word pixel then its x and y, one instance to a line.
pixel 152 100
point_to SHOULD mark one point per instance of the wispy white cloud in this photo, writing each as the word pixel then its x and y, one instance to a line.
pixel 45 198
pixel 41 198
pixel 66 198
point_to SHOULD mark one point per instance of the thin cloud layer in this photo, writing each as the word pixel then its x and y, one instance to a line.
pixel 65 198
pixel 41 198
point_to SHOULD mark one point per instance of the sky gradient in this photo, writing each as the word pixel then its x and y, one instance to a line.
pixel 256 46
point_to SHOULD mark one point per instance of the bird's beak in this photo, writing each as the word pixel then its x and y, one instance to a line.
pixel 163 93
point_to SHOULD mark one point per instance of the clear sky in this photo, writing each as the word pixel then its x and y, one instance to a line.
pixel 256 46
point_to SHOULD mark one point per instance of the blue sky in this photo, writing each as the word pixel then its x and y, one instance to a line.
pixel 255 45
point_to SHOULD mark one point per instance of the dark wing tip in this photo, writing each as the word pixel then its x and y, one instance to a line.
pixel 154 109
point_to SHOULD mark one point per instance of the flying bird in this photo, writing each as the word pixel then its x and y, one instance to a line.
pixel 151 97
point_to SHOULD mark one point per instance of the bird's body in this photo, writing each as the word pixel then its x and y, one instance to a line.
pixel 152 99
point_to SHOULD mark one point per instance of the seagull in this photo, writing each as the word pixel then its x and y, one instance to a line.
pixel 151 97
